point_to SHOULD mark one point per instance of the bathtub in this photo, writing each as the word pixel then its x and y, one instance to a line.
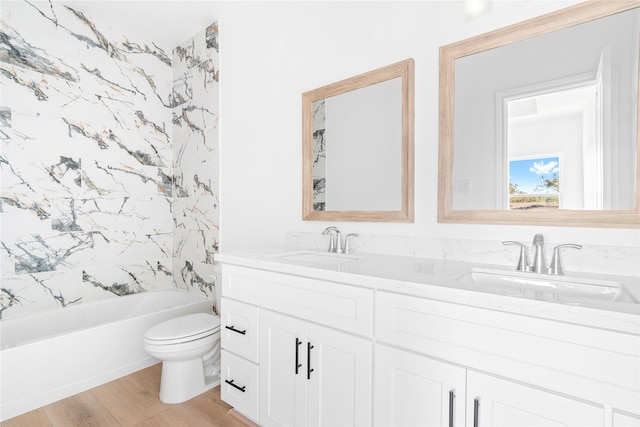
pixel 52 355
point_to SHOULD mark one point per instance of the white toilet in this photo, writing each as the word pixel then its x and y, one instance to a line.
pixel 189 348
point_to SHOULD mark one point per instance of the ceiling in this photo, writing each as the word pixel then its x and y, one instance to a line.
pixel 166 22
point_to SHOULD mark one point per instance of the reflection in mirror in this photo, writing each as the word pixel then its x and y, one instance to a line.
pixel 358 147
pixel 539 121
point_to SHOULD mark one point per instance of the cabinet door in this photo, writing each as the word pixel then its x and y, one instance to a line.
pixel 282 382
pixel 492 401
pixel 339 378
pixel 625 419
pixel 413 390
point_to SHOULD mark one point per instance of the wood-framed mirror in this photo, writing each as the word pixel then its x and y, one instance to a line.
pixel 515 144
pixel 358 147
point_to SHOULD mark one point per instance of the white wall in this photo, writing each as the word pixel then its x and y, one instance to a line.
pixel 271 52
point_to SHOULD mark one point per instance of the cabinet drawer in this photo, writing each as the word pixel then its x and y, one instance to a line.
pixel 239 384
pixel 343 307
pixel 239 326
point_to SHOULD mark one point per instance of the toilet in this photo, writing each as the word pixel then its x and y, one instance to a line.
pixel 189 348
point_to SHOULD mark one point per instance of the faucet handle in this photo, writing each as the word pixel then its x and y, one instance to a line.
pixel 523 263
pixel 347 247
pixel 556 265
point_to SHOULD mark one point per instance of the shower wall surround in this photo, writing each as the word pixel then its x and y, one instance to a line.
pixel 196 161
pixel 97 169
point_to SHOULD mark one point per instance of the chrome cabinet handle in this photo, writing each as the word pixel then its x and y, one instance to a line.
pixel 298 364
pixel 242 389
pixel 232 328
pixel 476 412
pixel 309 369
pixel 452 398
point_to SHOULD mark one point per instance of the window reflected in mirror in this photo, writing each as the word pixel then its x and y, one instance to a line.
pixel 534 183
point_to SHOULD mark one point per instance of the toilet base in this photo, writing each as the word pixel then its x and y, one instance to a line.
pixel 174 388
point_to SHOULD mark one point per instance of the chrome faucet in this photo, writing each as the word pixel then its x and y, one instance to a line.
pixel 335 244
pixel 538 266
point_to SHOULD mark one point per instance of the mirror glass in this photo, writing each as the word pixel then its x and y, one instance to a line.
pixel 543 120
pixel 358 147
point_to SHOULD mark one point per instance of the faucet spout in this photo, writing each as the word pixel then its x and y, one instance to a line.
pixel 539 265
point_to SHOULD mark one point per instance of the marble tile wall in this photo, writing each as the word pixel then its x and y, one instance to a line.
pixel 196 152
pixel 620 261
pixel 319 156
pixel 89 169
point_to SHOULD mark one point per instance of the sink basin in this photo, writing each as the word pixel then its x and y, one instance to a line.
pixel 551 287
pixel 317 258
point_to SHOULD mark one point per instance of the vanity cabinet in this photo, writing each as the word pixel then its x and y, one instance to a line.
pixel 311 375
pixel 317 351
pixel 301 346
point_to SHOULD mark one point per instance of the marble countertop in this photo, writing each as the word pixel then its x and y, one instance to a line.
pixel 449 281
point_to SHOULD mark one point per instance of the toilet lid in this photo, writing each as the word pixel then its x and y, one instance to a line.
pixel 184 328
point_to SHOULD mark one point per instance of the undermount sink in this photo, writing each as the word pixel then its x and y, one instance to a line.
pixel 317 258
pixel 551 287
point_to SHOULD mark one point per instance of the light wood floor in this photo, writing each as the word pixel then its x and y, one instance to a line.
pixel 131 401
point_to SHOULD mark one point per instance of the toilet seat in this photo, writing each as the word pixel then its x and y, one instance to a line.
pixel 183 329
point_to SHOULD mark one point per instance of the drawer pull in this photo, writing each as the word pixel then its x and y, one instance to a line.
pixel 231 328
pixel 298 364
pixel 452 398
pixel 476 412
pixel 242 389
pixel 309 370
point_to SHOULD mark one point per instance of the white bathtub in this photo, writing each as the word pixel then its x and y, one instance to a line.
pixel 49 356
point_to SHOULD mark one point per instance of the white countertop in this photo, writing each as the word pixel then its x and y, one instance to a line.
pixel 448 281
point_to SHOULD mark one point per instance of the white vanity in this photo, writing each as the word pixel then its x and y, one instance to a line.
pixel 312 338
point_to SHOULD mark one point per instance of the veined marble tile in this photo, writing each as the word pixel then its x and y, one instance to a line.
pixel 196 66
pixel 202 80
pixel 196 213
pixel 120 279
pixel 54 174
pixel 59 251
pixel 195 245
pixel 196 182
pixel 197 152
pixel 22 214
pixel 197 278
pixel 32 293
pixel 5 125
pixel 148 215
pixel 197 169
pixel 195 118
pixel 114 179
